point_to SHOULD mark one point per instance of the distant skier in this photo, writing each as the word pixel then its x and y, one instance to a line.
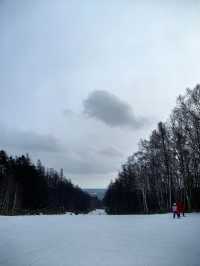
pixel 174 210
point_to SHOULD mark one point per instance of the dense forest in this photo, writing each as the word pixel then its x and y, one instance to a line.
pixel 29 188
pixel 166 167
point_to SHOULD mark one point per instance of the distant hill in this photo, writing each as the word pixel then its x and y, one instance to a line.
pixel 99 192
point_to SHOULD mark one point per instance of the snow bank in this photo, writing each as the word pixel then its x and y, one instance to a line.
pixel 100 240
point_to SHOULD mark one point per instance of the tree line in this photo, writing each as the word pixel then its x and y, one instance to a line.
pixel 28 186
pixel 166 167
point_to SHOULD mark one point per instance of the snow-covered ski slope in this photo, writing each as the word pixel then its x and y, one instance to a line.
pixel 100 240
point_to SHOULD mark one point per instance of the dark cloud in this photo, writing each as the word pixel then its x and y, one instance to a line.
pixel 109 109
pixel 28 141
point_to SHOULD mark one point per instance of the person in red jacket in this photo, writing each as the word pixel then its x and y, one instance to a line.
pixel 182 210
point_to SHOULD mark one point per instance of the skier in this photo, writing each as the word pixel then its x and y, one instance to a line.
pixel 174 210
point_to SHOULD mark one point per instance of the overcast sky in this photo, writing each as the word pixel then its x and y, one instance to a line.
pixel 82 81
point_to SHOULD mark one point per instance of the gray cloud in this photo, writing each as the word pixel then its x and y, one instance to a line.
pixel 27 141
pixel 111 152
pixel 87 164
pixel 68 112
pixel 109 109
pixel 102 161
pixel 84 167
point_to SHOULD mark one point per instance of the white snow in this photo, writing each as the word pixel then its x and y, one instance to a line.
pixel 98 212
pixel 100 240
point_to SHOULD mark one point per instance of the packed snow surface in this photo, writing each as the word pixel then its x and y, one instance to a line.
pixel 100 240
